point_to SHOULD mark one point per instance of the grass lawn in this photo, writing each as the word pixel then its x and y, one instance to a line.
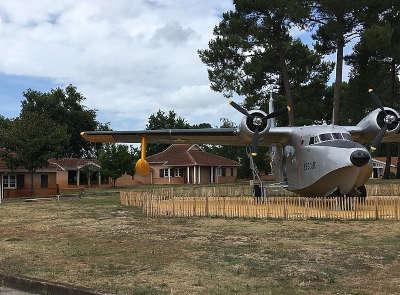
pixel 94 242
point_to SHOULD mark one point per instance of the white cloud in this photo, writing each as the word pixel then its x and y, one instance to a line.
pixel 129 58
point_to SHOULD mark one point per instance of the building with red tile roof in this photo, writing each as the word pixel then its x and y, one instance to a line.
pixel 379 164
pixel 78 173
pixel 16 181
pixel 190 164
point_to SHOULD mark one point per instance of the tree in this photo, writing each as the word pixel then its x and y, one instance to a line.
pixel 201 126
pixel 239 154
pixel 65 107
pixel 336 22
pixel 252 52
pixel 116 160
pixel 163 120
pixel 5 124
pixel 376 60
pixel 382 38
pixel 35 138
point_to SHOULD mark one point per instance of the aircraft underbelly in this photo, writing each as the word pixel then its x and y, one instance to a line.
pixel 321 171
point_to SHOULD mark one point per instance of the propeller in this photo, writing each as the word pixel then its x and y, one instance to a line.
pixel 388 120
pixel 376 100
pixel 378 138
pixel 258 120
pixel 241 109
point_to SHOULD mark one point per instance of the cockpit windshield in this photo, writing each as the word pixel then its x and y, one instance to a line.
pixel 337 136
pixel 346 136
pixel 329 136
pixel 325 136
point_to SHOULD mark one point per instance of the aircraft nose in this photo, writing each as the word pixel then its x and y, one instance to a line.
pixel 360 158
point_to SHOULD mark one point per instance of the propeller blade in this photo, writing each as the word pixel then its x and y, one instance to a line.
pixel 254 142
pixel 377 140
pixel 376 100
pixel 277 113
pixel 240 108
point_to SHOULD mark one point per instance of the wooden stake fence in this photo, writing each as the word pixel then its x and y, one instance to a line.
pixel 374 208
pixel 236 190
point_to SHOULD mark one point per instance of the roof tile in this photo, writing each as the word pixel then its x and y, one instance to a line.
pixel 188 155
pixel 72 163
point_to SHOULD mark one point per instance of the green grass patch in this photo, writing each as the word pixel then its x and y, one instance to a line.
pixel 97 243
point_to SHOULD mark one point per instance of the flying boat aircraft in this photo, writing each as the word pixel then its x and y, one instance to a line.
pixel 316 160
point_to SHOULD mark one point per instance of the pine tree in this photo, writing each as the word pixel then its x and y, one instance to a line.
pixel 336 23
pixel 252 52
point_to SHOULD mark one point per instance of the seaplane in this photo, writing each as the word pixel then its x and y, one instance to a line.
pixel 313 161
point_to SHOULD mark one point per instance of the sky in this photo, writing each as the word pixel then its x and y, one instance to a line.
pixel 129 58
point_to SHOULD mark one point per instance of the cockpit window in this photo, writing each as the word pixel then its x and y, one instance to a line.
pixel 325 136
pixel 346 136
pixel 337 136
pixel 329 136
pixel 314 140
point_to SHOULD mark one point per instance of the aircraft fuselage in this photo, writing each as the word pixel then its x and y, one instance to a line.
pixel 324 159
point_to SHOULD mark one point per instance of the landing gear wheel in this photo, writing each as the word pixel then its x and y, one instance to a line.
pixel 362 193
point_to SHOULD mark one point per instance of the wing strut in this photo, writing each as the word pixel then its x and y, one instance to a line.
pixel 259 190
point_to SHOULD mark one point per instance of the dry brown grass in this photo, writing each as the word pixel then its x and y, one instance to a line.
pixel 97 243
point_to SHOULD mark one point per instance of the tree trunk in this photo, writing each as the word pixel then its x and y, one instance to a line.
pixel 288 92
pixel 394 76
pixel 338 82
pixel 388 150
pixel 32 189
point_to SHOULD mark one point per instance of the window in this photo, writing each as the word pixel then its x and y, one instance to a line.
pixel 20 181
pixel 314 140
pixel 232 172
pixel 9 181
pixel 337 136
pixel 219 171
pixel 44 181
pixel 178 172
pixel 164 172
pixel 325 136
pixel 346 136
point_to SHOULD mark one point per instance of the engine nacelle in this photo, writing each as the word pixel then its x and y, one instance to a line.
pixel 249 125
pixel 375 121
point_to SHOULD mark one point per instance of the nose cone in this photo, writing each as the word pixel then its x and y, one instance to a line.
pixel 359 158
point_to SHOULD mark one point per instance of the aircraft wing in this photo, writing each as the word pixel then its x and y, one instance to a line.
pixel 360 134
pixel 391 137
pixel 217 136
pixel 365 135
pixel 223 136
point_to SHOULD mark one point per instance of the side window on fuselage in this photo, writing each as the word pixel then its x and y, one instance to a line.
pixel 346 136
pixel 314 140
pixel 325 137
